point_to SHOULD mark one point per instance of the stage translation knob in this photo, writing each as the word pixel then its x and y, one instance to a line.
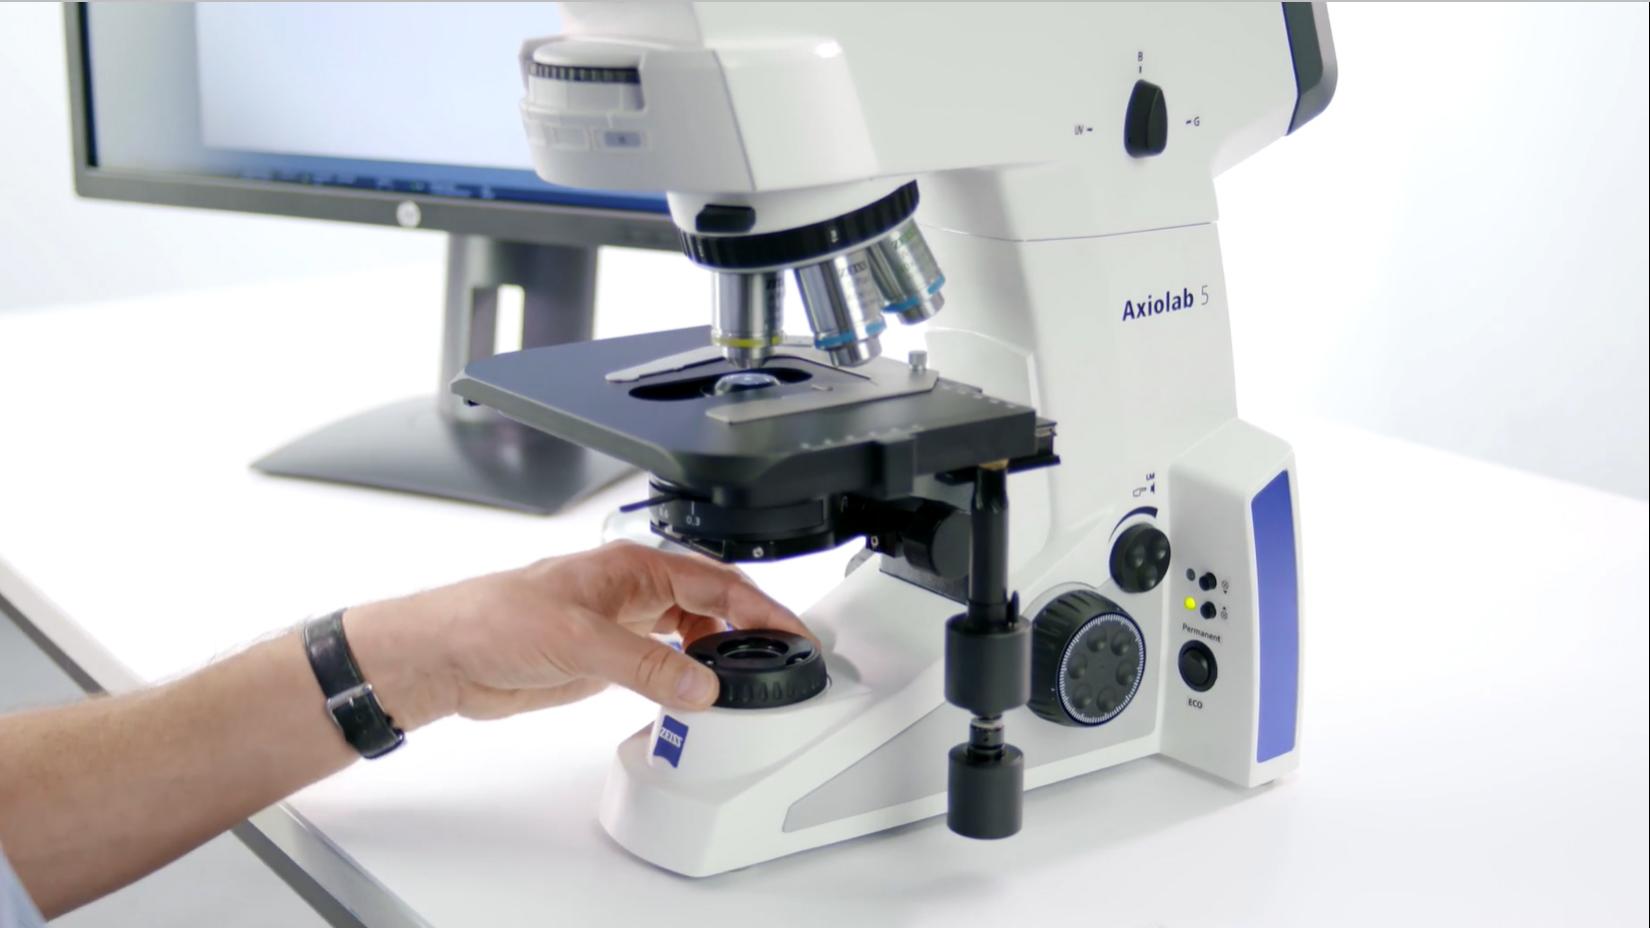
pixel 1140 558
pixel 1087 660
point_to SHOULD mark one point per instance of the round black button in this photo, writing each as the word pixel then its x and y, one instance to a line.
pixel 1140 558
pixel 761 669
pixel 1208 611
pixel 1197 666
pixel 1206 582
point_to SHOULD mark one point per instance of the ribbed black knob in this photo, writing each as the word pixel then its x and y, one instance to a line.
pixel 1087 660
pixel 762 668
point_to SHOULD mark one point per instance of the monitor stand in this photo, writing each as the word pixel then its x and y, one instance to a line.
pixel 439 446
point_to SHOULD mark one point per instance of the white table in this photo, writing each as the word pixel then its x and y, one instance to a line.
pixel 1475 683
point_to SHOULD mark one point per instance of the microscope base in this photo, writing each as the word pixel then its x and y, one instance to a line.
pixel 706 792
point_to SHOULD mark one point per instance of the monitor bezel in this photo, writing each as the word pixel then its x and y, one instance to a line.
pixel 522 222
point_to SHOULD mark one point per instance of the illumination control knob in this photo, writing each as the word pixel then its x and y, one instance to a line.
pixel 1087 660
pixel 1140 558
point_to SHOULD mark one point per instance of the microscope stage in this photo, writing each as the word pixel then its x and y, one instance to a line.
pixel 658 422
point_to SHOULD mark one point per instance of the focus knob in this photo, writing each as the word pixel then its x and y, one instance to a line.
pixel 1140 558
pixel 1087 660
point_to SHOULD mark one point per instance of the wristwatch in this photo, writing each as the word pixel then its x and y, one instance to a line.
pixel 350 702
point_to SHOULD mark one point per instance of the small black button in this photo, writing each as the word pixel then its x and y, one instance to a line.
pixel 1208 610
pixel 1146 124
pixel 1206 582
pixel 1197 666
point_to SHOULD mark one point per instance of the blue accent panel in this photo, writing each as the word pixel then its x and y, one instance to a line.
pixel 670 741
pixel 1277 581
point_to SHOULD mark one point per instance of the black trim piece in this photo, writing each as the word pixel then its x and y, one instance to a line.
pixel 1312 51
pixel 803 243
pixel 580 74
pixel 77 16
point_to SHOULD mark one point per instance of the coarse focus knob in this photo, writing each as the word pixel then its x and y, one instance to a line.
pixel 761 668
pixel 1087 660
pixel 1140 558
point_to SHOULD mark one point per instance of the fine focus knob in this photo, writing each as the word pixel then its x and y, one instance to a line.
pixel 1087 660
pixel 761 668
pixel 1140 558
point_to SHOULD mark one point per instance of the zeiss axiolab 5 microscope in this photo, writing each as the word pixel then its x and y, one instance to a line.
pixel 1142 597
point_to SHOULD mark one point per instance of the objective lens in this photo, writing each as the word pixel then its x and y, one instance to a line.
pixel 741 381
pixel 907 273
pixel 747 316
pixel 844 306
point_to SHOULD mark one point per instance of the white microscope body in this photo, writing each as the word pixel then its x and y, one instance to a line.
pixel 1083 278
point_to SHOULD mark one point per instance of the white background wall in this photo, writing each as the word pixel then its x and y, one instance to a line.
pixel 1454 253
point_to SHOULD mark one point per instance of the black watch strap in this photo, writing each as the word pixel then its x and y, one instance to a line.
pixel 350 701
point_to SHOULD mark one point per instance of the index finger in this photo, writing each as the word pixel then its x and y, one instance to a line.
pixel 704 587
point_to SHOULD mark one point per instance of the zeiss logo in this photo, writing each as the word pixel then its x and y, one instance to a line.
pixel 1169 302
pixel 672 735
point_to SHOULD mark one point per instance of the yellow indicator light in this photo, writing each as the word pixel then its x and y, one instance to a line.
pixel 1191 603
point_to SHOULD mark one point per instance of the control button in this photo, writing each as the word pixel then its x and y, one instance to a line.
pixel 1208 611
pixel 622 138
pixel 1197 666
pixel 1140 558
pixel 1206 582
pixel 1146 125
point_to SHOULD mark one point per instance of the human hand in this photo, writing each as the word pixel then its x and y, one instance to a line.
pixel 555 631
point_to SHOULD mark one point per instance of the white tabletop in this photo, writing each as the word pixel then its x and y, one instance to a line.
pixel 1475 685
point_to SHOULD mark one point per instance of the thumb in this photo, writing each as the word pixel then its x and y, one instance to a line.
pixel 657 671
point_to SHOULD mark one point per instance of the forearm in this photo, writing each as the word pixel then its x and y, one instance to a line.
pixel 97 794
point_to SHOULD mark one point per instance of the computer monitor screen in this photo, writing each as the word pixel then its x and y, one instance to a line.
pixel 392 113
pixel 409 99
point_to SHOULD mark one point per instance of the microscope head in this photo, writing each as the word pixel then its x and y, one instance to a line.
pixel 850 244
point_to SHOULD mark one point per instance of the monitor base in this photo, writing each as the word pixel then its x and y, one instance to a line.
pixel 442 446
pixel 411 446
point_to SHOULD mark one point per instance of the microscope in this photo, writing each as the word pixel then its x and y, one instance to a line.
pixel 1033 185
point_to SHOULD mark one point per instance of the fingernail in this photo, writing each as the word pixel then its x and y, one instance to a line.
pixel 697 687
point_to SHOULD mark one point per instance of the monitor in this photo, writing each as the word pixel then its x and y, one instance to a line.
pixel 400 114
